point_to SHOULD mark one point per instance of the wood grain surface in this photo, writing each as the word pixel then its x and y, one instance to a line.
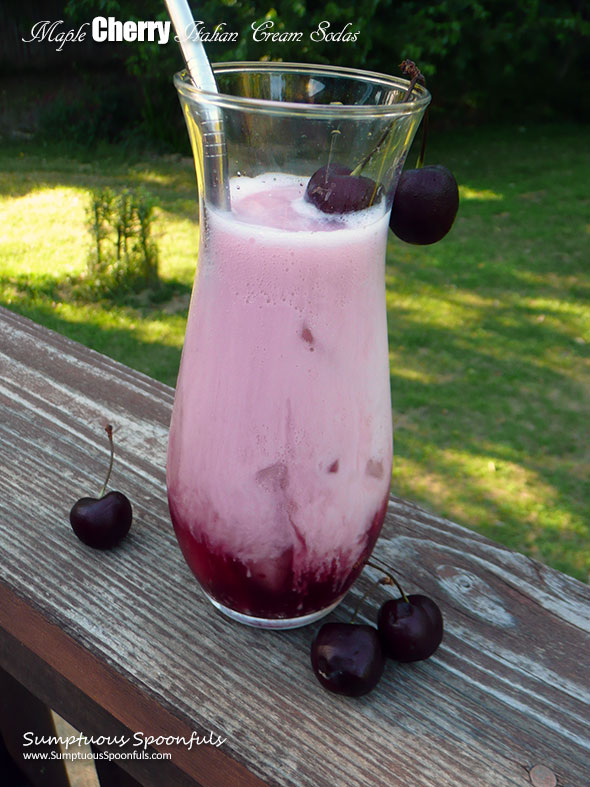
pixel 504 701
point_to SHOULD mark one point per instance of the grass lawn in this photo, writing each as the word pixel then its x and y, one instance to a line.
pixel 489 329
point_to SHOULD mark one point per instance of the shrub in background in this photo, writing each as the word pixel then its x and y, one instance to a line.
pixel 124 255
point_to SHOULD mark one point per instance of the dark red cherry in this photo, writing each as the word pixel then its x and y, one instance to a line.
pixel 425 204
pixel 102 522
pixel 347 658
pixel 410 630
pixel 333 189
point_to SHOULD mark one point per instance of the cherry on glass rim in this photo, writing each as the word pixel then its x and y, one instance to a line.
pixel 425 205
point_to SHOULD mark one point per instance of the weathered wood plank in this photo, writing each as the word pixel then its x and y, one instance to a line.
pixel 507 690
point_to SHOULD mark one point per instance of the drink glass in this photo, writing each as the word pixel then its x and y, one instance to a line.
pixel 280 448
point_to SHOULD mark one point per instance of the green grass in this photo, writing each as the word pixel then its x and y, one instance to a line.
pixel 489 329
pixel 44 197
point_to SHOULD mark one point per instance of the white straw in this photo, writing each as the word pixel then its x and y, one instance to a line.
pixel 201 73
pixel 193 51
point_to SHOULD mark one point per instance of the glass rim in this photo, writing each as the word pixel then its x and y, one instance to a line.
pixel 186 88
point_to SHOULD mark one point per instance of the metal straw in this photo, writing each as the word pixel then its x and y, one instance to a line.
pixel 211 120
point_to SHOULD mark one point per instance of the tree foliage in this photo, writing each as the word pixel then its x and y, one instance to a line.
pixel 483 59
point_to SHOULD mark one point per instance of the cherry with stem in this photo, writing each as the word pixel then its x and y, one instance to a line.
pixel 426 199
pixel 104 521
pixel 335 188
pixel 348 658
pixel 410 627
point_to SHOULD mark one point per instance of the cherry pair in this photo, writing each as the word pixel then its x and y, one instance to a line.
pixel 425 201
pixel 349 658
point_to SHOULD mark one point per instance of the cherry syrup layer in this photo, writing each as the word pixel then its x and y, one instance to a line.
pixel 245 588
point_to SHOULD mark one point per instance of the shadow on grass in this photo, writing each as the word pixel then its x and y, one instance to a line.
pixel 115 334
pixel 170 179
pixel 492 424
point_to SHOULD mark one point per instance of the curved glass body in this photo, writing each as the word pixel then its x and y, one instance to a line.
pixel 280 450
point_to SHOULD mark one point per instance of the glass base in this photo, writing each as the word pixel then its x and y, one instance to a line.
pixel 273 623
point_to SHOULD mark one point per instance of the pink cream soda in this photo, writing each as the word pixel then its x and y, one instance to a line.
pixel 280 448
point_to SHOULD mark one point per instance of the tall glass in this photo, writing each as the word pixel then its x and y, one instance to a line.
pixel 280 450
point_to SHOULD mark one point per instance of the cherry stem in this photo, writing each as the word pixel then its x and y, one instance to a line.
pixel 389 579
pixel 411 86
pixel 109 430
pixel 365 160
pixel 420 161
pixel 333 134
pixel 409 68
